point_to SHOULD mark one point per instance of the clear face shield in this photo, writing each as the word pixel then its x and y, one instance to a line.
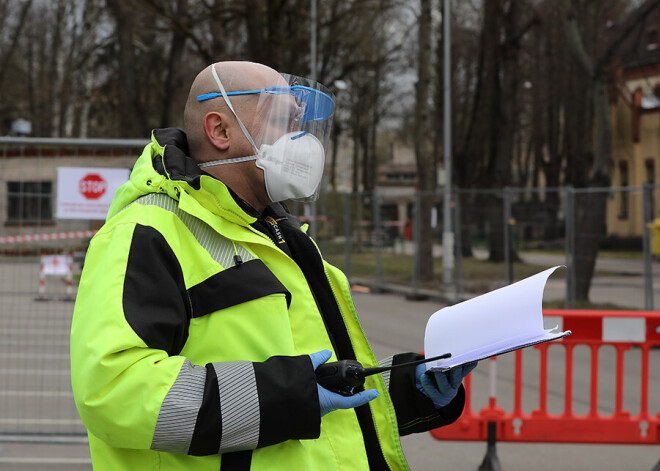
pixel 289 133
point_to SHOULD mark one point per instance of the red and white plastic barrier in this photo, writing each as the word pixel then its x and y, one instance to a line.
pixel 45 237
pixel 622 330
pixel 59 265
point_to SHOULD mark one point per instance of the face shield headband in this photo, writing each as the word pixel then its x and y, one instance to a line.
pixel 224 95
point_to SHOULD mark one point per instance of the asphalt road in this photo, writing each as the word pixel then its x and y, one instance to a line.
pixel 394 325
pixel 35 391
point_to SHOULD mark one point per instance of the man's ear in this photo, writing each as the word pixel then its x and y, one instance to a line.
pixel 215 127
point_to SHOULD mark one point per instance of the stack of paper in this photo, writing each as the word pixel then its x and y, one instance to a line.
pixel 501 321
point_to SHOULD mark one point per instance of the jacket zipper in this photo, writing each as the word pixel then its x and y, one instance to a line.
pixel 378 434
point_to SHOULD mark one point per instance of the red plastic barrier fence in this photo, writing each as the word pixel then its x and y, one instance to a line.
pixel 621 329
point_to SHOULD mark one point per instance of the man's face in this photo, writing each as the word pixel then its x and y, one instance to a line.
pixel 277 114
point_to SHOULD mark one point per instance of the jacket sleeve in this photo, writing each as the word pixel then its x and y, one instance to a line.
pixel 134 389
pixel 414 411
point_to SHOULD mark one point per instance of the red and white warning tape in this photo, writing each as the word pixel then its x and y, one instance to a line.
pixel 42 237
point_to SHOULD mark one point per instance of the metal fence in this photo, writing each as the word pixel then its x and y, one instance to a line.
pixel 36 402
pixel 501 236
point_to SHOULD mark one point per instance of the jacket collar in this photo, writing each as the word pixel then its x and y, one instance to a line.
pixel 175 163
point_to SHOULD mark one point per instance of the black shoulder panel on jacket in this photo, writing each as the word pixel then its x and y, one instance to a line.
pixel 156 303
pixel 238 284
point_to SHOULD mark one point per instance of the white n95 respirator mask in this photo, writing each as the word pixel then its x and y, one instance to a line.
pixel 289 135
pixel 293 166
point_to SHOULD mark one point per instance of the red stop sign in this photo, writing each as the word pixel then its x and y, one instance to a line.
pixel 92 186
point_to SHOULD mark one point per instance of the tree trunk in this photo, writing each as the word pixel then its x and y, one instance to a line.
pixel 90 21
pixel 70 93
pixel 590 215
pixel 591 212
pixel 255 30
pixel 494 172
pixel 550 82
pixel 6 58
pixel 336 133
pixel 465 203
pixel 366 164
pixel 496 218
pixel 375 119
pixel 173 80
pixel 131 115
pixel 57 70
pixel 218 49
pixel 356 146
pixel 274 53
pixel 426 171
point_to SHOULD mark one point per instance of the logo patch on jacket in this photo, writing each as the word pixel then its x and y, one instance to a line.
pixel 276 229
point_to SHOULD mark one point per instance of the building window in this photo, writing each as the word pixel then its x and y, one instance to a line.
pixel 649 164
pixel 623 170
pixel 650 170
pixel 29 202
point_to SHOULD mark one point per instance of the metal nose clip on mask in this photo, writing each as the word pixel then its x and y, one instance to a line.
pixel 293 163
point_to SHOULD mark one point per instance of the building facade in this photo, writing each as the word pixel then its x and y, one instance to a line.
pixel 635 117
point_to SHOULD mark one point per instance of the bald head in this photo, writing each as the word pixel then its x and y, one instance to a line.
pixel 235 76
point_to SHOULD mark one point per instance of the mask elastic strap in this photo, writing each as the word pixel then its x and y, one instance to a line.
pixel 226 161
pixel 224 95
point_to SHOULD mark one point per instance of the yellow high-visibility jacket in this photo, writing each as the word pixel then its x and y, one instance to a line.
pixel 192 330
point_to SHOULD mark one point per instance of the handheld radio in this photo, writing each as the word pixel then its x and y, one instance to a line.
pixel 346 377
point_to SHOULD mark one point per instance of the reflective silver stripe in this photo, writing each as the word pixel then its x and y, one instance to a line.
pixel 178 413
pixel 221 249
pixel 239 405
pixel 386 374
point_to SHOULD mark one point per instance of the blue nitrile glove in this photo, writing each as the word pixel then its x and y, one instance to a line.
pixel 441 388
pixel 330 401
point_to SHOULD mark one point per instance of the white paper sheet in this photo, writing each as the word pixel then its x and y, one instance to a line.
pixel 494 323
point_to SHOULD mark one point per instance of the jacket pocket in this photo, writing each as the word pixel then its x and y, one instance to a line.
pixel 236 285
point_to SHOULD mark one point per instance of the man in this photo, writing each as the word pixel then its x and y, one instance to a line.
pixel 204 309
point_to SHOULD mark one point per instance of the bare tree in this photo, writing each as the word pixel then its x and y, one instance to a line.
pixel 467 73
pixel 550 76
pixel 132 111
pixel 7 54
pixel 91 16
pixel 591 213
pixel 489 144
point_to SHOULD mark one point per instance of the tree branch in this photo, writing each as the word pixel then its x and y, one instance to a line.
pixel 574 38
pixel 17 33
pixel 534 21
pixel 632 24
